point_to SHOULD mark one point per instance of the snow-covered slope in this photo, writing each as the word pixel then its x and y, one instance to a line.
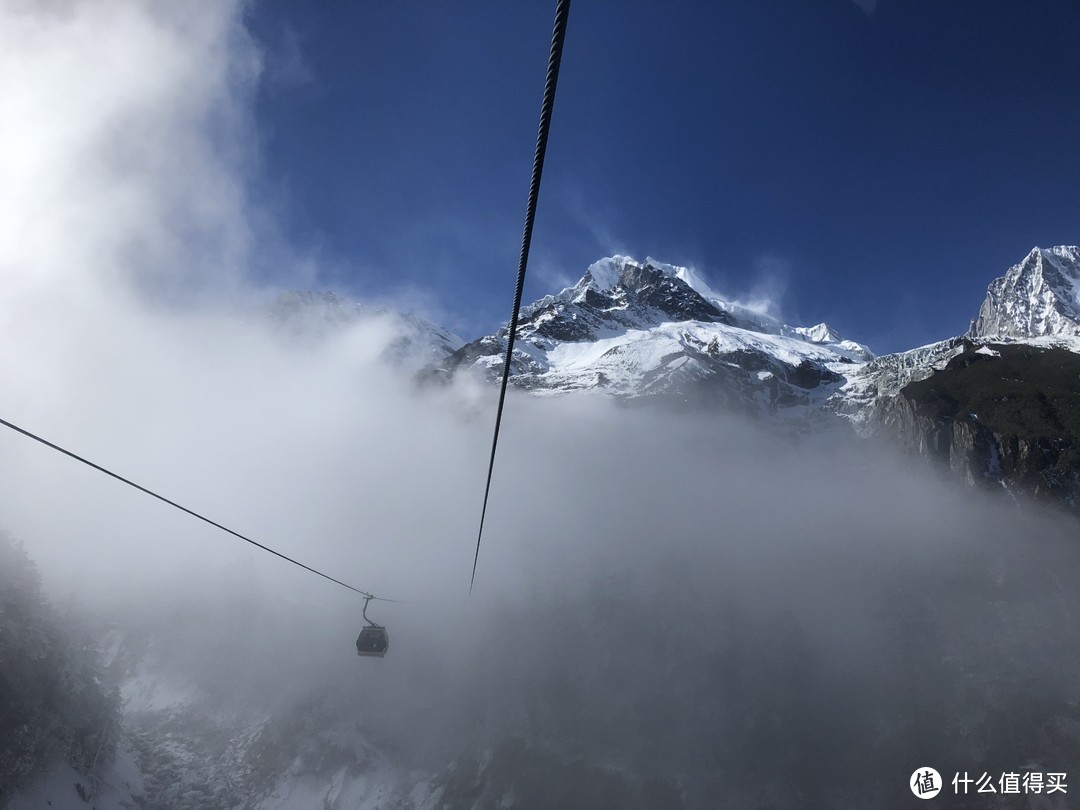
pixel 620 293
pixel 61 787
pixel 866 387
pixel 630 329
pixel 1040 296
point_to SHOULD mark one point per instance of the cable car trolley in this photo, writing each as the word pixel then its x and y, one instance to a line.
pixel 373 640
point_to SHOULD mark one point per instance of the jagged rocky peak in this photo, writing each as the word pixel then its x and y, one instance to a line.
pixel 606 273
pixel 1038 297
pixel 616 294
pixel 625 271
pixel 679 294
pixel 822 333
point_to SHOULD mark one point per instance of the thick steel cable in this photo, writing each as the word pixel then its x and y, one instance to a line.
pixel 191 512
pixel 558 34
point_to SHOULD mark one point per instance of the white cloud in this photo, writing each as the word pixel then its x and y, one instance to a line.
pixel 126 139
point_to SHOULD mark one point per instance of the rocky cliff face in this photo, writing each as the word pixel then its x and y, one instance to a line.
pixel 1038 297
pixel 998 406
pixel 996 414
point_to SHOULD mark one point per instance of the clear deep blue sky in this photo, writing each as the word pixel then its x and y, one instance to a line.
pixel 873 170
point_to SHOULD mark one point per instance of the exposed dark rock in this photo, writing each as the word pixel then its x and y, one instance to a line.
pixel 811 375
pixel 474 350
pixel 669 295
pixel 570 329
pixel 1008 419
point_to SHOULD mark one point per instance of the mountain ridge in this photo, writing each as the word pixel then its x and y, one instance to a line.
pixel 647 330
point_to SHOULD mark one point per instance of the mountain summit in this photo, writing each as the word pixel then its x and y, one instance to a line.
pixel 1038 297
pixel 619 293
pixel 632 328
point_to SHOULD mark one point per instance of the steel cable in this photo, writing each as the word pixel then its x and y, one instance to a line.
pixel 562 12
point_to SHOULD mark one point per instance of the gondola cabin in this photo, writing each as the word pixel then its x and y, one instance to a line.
pixel 373 641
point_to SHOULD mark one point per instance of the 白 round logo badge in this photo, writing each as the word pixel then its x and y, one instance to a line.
pixel 925 783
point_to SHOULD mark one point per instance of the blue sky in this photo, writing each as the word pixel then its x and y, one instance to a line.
pixel 873 165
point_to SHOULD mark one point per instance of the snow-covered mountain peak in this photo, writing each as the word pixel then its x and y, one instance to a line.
pixel 610 272
pixel 624 271
pixel 1038 297
pixel 614 271
pixel 688 296
pixel 605 274
pixel 821 333
pixel 633 328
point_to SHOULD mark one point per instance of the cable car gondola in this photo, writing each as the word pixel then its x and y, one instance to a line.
pixel 373 640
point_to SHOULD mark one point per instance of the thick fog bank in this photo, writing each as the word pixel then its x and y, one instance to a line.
pixel 684 600
pixel 706 611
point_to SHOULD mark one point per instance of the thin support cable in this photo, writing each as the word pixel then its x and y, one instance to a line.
pixel 191 512
pixel 558 34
